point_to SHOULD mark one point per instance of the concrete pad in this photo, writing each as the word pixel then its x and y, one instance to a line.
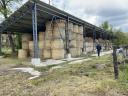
pixel 31 71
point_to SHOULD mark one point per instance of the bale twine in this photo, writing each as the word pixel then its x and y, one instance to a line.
pixel 58 53
pixel 22 54
pixel 25 45
pixel 41 36
pixel 72 44
pixel 81 30
pixel 73 52
pixel 26 37
pixel 46 53
pixel 75 28
pixel 57 44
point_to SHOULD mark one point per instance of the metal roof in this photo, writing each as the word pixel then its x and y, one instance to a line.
pixel 21 20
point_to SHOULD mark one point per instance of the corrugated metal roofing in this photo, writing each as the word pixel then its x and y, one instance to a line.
pixel 21 20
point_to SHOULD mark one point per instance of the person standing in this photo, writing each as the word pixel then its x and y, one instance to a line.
pixel 98 48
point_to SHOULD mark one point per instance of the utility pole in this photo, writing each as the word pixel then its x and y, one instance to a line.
pixel 50 2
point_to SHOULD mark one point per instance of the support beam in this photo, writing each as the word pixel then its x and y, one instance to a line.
pixel 84 42
pixel 94 38
pixel 0 43
pixel 36 58
pixel 67 39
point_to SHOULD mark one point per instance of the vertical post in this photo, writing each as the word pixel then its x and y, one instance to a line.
pixel 0 43
pixel 35 59
pixel 94 37
pixel 67 38
pixel 116 73
pixel 84 42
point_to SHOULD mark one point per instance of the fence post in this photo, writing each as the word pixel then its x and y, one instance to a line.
pixel 116 73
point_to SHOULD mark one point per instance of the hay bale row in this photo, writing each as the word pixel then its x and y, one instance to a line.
pixel 75 52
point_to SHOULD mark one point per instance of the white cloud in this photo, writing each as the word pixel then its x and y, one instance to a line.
pixel 96 11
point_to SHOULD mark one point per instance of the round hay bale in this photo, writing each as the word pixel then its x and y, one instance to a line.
pixel 47 44
pixel 41 44
pixel 31 45
pixel 70 26
pixel 81 30
pixel 75 28
pixel 26 37
pixel 79 44
pixel 22 54
pixel 31 53
pixel 79 37
pixel 59 23
pixel 41 36
pixel 57 44
pixel 73 52
pixel 90 39
pixel 79 51
pixel 59 33
pixel 72 44
pixel 48 35
pixel 58 53
pixel 73 36
pixel 47 54
pixel 25 45
pixel 49 26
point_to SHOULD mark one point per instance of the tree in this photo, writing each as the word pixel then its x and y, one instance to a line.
pixel 119 37
pixel 6 7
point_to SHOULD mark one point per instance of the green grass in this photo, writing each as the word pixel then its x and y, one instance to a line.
pixel 71 80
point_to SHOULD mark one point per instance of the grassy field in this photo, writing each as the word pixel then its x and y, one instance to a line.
pixel 85 79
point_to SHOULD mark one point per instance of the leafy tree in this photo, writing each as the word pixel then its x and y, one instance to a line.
pixel 6 7
pixel 119 37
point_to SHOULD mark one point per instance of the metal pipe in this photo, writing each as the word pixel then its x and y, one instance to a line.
pixel 35 39
pixel 94 37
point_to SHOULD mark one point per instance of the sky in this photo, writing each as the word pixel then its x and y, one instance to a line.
pixel 96 11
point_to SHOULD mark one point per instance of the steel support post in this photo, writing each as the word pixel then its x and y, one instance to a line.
pixel 94 38
pixel 0 43
pixel 84 42
pixel 36 58
pixel 67 39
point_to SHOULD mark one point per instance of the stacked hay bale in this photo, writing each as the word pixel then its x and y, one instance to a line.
pixel 89 44
pixel 24 52
pixel 57 44
pixel 80 40
pixel 76 43
pixel 101 42
pixel 40 45
pixel 47 40
pixel 73 29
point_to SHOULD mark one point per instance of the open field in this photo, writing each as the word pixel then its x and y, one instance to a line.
pixel 85 79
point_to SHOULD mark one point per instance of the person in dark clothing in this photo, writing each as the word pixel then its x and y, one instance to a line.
pixel 98 48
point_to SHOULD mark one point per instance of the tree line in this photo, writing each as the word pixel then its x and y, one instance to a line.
pixel 118 36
